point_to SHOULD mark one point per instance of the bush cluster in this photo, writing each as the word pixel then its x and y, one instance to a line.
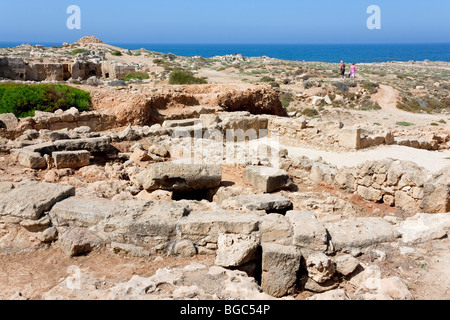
pixel 23 100
pixel 180 77
pixel 138 75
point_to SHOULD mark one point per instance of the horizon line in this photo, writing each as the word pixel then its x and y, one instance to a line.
pixel 240 43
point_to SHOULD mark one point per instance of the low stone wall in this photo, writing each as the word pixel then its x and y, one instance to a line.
pixel 397 183
pixel 69 119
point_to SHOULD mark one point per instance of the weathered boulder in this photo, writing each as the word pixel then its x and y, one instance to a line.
pixel 198 225
pixel 360 232
pixel 322 173
pixel 81 212
pixel 130 249
pixel 280 265
pixel 275 228
pixel 320 267
pixel 180 123
pixel 375 288
pixel 436 193
pixel 255 202
pixel 48 235
pixel 346 264
pixel 71 159
pixel 308 231
pixel 350 138
pixel 313 286
pixel 6 186
pixel 30 199
pixel 424 227
pixel 179 177
pixel 100 144
pixel 234 250
pixel 8 121
pixel 29 159
pixel 77 241
pixel 185 248
pixel 42 148
pixel 140 155
pixel 278 123
pixel 149 224
pixel 266 179
pixel 370 194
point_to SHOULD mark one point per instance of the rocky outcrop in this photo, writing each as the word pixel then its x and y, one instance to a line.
pixel 256 101
pixel 89 39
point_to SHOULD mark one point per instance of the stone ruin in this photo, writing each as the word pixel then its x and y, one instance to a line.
pixel 14 68
pixel 257 234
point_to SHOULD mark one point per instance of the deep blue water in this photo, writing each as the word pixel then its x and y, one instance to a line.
pixel 310 52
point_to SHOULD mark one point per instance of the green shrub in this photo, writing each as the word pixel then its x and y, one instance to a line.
pixel 274 84
pixel 139 75
pixel 371 87
pixel 309 112
pixel 23 100
pixel 77 51
pixel 180 77
pixel 341 86
pixel 367 104
pixel 404 124
pixel 286 99
pixel 423 104
pixel 308 84
pixel 116 53
pixel 285 102
pixel 267 79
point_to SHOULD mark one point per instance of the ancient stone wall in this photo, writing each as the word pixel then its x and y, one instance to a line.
pixel 69 119
pixel 397 183
pixel 18 69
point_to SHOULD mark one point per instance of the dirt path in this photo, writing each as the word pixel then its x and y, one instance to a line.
pixel 388 97
pixel 433 161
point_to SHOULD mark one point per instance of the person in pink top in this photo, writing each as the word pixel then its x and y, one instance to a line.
pixel 353 71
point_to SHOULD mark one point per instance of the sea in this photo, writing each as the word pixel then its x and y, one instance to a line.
pixel 357 53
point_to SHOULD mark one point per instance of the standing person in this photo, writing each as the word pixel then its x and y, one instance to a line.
pixel 353 71
pixel 342 70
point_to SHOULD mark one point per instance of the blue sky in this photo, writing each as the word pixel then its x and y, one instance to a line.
pixel 226 21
